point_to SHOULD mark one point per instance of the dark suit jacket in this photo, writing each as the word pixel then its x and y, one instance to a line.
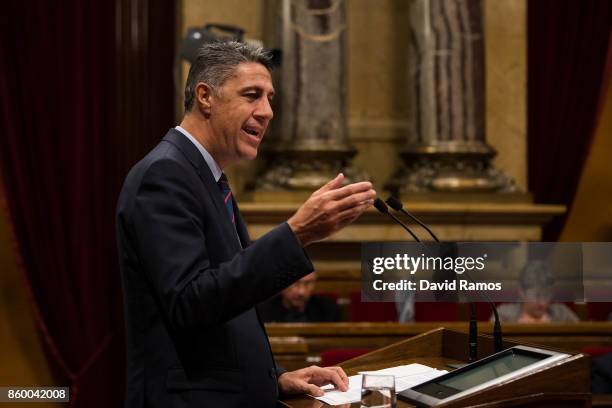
pixel 194 338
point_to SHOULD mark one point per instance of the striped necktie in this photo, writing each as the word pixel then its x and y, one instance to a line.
pixel 226 192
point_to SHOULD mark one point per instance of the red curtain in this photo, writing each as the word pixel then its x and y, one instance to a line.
pixel 567 48
pixel 57 99
pixel 69 72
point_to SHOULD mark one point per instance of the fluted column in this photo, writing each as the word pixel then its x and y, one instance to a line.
pixel 446 147
pixel 312 144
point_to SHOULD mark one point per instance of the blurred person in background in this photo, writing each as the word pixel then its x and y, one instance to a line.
pixel 536 291
pixel 298 304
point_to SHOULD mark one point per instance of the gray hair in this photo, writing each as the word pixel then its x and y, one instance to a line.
pixel 537 279
pixel 217 61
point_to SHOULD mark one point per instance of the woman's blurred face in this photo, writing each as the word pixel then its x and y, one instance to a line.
pixel 536 302
pixel 536 309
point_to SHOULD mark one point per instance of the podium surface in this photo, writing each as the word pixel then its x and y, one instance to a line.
pixel 565 384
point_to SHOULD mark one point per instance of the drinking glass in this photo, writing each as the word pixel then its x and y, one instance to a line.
pixel 378 391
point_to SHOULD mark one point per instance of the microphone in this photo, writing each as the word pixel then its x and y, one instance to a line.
pixel 382 207
pixel 497 332
pixel 397 206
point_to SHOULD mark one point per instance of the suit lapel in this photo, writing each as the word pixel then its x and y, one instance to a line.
pixel 197 160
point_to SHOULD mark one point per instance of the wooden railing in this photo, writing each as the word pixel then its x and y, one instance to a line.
pixel 297 345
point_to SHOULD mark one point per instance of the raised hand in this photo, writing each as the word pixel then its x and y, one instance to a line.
pixel 331 208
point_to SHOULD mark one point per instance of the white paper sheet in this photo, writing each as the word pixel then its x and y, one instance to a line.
pixel 406 376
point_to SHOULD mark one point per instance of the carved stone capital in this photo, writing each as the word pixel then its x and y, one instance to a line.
pixel 449 168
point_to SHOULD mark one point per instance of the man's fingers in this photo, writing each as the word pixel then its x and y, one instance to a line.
pixel 330 375
pixel 342 374
pixel 331 185
pixel 351 214
pixel 318 217
pixel 340 193
pixel 335 379
pixel 355 200
pixel 314 390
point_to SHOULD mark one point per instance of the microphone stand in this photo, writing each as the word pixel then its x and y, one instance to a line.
pixel 497 332
pixel 473 332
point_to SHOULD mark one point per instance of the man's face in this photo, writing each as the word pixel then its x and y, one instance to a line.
pixel 296 296
pixel 240 112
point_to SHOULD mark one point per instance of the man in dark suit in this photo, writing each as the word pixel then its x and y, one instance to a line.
pixel 190 275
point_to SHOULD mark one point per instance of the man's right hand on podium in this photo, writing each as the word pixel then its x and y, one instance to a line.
pixel 308 380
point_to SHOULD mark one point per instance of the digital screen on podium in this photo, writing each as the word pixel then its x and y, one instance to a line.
pixel 491 370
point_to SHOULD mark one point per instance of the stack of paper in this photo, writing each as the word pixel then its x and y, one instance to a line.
pixel 406 376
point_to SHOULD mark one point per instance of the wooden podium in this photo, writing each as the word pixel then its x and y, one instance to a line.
pixel 566 384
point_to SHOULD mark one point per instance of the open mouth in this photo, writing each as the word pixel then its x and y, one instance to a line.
pixel 251 131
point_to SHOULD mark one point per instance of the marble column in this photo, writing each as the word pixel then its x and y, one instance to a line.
pixel 446 149
pixel 312 145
